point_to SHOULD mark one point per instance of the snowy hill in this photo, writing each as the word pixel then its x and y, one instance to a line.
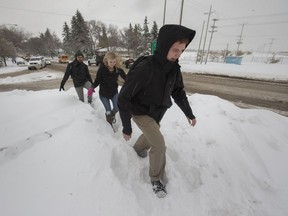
pixel 59 157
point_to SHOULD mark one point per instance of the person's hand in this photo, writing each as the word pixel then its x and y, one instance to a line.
pixel 192 122
pixel 90 91
pixel 126 136
pixel 61 87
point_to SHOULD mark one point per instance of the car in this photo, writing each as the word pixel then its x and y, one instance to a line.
pixel 92 60
pixel 96 59
pixel 99 59
pixel 37 62
pixel 20 61
pixel 128 62
pixel 47 61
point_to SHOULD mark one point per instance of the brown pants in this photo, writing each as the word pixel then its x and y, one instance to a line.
pixel 151 138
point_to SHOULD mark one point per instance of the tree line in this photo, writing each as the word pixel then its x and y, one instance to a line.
pixel 87 36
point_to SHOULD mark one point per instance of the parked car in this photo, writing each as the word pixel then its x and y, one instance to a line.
pixel 92 60
pixel 20 61
pixel 96 59
pixel 36 63
pixel 128 62
pixel 47 61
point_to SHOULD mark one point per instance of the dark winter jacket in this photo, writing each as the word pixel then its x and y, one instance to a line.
pixel 79 73
pixel 151 83
pixel 108 81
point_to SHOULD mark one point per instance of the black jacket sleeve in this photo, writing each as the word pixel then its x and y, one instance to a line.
pixel 67 74
pixel 98 78
pixel 88 74
pixel 180 98
pixel 123 74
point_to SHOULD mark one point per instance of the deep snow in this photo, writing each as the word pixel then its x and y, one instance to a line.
pixel 59 157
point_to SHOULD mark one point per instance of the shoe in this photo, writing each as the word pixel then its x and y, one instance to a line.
pixel 109 117
pixel 159 189
pixel 113 117
pixel 142 153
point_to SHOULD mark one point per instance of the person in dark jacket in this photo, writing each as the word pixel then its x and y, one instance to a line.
pixel 146 95
pixel 107 78
pixel 80 75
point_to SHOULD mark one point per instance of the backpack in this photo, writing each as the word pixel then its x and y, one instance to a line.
pixel 140 59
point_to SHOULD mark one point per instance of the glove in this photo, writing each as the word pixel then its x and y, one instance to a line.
pixel 90 91
pixel 61 87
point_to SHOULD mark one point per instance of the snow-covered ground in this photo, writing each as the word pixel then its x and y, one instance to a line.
pixel 58 156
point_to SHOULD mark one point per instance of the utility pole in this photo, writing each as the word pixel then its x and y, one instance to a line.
pixel 200 43
pixel 270 47
pixel 226 53
pixel 240 38
pixel 181 12
pixel 164 12
pixel 206 34
pixel 212 31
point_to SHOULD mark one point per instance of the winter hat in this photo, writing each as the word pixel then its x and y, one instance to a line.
pixel 79 53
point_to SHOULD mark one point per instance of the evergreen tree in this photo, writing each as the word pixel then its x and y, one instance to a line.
pixel 50 42
pixel 67 40
pixel 66 34
pixel 154 31
pixel 146 38
pixel 137 39
pixel 79 33
pixel 129 38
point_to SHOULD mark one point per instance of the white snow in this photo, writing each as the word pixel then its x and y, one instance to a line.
pixel 58 156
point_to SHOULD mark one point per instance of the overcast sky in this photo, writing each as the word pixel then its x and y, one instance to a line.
pixel 264 22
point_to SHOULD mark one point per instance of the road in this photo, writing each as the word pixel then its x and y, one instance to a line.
pixel 245 93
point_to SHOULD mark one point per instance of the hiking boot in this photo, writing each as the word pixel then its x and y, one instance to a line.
pixel 113 113
pixel 159 189
pixel 109 118
pixel 142 153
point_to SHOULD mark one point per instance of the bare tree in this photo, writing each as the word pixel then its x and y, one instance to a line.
pixel 94 31
pixel 11 42
pixel 113 36
pixel 6 49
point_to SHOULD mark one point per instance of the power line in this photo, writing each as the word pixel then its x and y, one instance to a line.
pixel 35 11
pixel 256 16
pixel 262 23
pixel 57 14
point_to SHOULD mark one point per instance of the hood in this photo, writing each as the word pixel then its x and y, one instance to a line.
pixel 78 53
pixel 167 36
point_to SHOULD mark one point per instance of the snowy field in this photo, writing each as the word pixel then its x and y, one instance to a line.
pixel 58 156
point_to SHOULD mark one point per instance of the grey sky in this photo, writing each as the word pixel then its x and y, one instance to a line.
pixel 265 21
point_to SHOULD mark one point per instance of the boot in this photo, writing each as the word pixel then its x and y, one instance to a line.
pixel 113 113
pixel 109 117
